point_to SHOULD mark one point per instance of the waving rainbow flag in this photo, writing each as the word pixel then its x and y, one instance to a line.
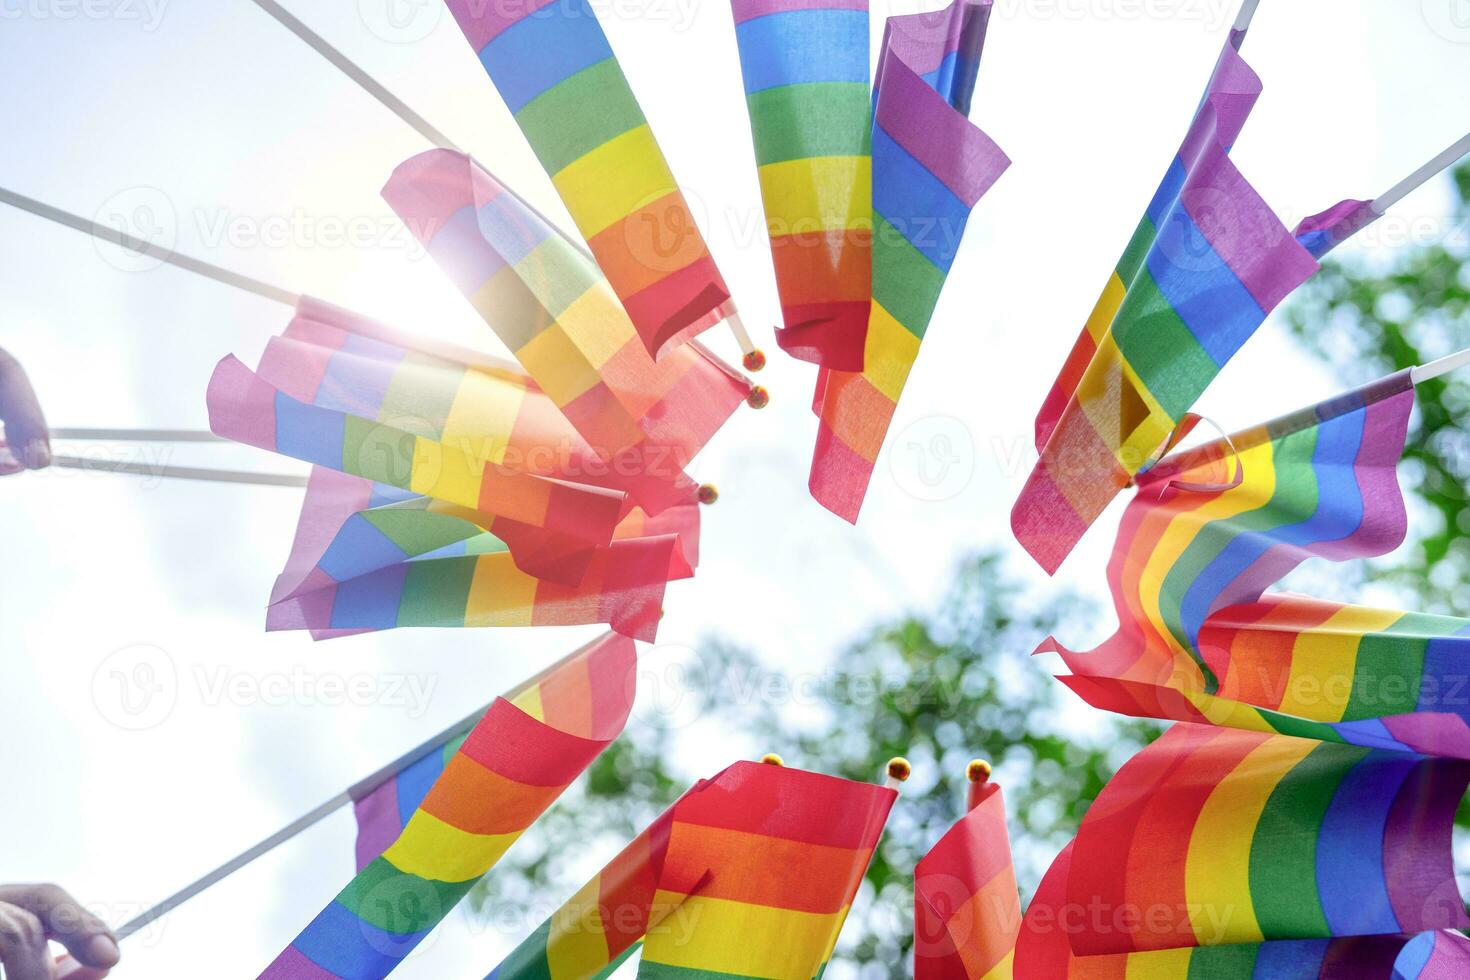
pixel 1043 951
pixel 601 926
pixel 581 694
pixel 930 167
pixel 764 862
pixel 1376 678
pixel 805 67
pixel 1208 262
pixel 1216 526
pixel 1228 837
pixel 336 563
pixel 552 307
pixel 967 912
pixel 509 769
pixel 551 63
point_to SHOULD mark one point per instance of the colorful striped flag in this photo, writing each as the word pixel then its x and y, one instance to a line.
pixel 1320 482
pixel 1208 262
pixel 579 694
pixel 930 167
pixel 600 926
pixel 471 579
pixel 553 66
pixel 967 912
pixel 1376 678
pixel 805 67
pixel 763 862
pixel 552 307
pixel 510 768
pixel 1434 956
pixel 1214 836
pixel 1044 952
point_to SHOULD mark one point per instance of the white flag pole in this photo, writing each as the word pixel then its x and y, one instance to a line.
pixel 1423 175
pixel 1443 366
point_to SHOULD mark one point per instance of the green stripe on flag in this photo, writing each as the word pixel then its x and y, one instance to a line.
pixel 812 119
pixel 579 114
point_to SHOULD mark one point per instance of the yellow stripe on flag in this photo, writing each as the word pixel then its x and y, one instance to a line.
pixel 816 194
pixel 611 182
pixel 740 939
pixel 432 849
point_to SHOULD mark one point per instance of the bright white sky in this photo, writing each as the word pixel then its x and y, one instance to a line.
pixel 252 152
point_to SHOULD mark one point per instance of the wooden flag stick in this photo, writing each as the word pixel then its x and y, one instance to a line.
pixel 897 772
pixel 1434 369
pixel 1448 158
pixel 178 472
pixel 353 793
pixel 422 126
pixel 134 435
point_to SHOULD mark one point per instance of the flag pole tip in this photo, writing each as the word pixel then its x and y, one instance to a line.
pixel 755 360
pixel 772 759
pixel 978 771
pixel 708 493
pixel 758 397
pixel 899 769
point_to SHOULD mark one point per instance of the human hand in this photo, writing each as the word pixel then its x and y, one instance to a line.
pixel 28 443
pixel 32 914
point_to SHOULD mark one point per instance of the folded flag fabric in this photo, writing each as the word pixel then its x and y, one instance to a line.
pixel 1208 262
pixel 553 309
pixel 553 66
pixel 1320 482
pixel 805 68
pixel 930 165
pixel 471 580
pixel 1043 951
pixel 602 925
pixel 1217 836
pixel 581 694
pixel 1376 678
pixel 967 911
pixel 1434 956
pixel 470 437
pixel 510 768
pixel 763 862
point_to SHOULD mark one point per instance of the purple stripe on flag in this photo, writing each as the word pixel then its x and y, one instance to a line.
pixel 378 824
pixel 1418 859
pixel 1233 92
pixel 292 964
pixel 1432 733
pixel 745 10
pixel 924 40
pixel 928 128
pixel 1243 230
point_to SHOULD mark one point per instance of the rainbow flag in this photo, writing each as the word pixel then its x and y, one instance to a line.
pixel 473 582
pixel 1208 262
pixel 763 863
pixel 551 63
pixel 1434 956
pixel 930 167
pixel 1216 526
pixel 604 923
pixel 334 397
pixel 1375 678
pixel 581 694
pixel 1226 836
pixel 509 769
pixel 1043 951
pixel 967 911
pixel 805 67
pixel 552 307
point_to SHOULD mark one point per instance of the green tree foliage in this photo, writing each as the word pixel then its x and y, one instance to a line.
pixel 1370 319
pixel 940 687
